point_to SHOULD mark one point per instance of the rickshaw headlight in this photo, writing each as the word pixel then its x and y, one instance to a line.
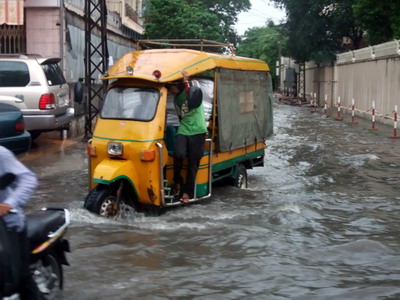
pixel 115 148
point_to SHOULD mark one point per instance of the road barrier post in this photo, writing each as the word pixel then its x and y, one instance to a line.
pixel 395 136
pixel 326 105
pixel 353 118
pixel 338 117
pixel 313 102
pixel 373 116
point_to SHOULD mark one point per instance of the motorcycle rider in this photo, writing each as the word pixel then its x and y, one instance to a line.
pixel 13 197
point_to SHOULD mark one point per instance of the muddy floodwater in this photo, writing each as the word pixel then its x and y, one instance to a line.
pixel 321 220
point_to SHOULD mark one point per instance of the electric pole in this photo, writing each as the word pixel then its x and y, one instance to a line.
pixel 96 59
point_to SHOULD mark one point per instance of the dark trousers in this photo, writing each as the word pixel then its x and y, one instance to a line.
pixel 192 147
pixel 27 288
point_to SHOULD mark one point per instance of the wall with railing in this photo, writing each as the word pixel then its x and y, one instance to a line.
pixel 368 77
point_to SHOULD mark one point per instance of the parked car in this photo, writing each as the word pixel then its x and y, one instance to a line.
pixel 38 87
pixel 12 129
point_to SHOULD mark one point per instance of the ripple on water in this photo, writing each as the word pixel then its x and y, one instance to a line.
pixel 319 221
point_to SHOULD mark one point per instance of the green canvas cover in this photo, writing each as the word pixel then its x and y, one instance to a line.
pixel 244 104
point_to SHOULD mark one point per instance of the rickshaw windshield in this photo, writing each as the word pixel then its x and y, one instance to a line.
pixel 130 103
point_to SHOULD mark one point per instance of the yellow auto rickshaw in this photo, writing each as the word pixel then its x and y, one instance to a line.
pixel 131 152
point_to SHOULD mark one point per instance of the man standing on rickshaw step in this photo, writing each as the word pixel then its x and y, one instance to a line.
pixel 190 138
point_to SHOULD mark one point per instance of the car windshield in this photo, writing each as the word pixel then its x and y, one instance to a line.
pixel 130 103
pixel 54 74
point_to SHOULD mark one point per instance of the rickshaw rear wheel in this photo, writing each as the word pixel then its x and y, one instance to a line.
pixel 102 200
pixel 240 180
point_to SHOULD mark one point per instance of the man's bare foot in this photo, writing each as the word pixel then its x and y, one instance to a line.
pixel 185 198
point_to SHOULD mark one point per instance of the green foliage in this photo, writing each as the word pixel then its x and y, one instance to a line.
pixel 316 29
pixel 227 11
pixel 380 19
pixel 266 43
pixel 177 19
pixel 193 19
pixel 345 24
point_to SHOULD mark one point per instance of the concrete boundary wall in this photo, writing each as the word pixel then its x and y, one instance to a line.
pixel 370 76
pixel 377 81
pixel 320 83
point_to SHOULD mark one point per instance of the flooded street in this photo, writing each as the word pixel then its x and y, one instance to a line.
pixel 320 221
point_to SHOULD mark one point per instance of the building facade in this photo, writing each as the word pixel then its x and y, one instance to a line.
pixel 57 28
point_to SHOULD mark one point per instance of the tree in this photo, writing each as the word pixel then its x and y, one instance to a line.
pixel 264 43
pixel 177 19
pixel 380 19
pixel 206 19
pixel 345 24
pixel 316 29
pixel 227 12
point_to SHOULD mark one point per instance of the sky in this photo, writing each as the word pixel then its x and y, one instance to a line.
pixel 258 15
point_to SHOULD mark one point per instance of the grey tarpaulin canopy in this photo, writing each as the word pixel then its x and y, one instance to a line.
pixel 244 108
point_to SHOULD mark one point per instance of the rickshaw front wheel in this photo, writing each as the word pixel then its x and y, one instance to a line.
pixel 102 200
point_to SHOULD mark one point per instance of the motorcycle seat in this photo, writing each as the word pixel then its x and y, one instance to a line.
pixel 40 224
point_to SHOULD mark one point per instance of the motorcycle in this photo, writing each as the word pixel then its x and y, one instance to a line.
pixel 45 232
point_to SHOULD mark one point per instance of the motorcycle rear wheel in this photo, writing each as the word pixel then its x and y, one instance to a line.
pixel 48 275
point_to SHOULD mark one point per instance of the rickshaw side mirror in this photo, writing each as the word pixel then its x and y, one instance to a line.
pixel 78 91
pixel 195 97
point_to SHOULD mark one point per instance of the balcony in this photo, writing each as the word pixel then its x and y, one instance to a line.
pixel 131 13
pixel 125 10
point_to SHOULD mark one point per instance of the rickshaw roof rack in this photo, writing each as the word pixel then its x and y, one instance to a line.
pixel 186 43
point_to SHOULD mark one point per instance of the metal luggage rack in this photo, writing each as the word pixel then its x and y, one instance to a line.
pixel 185 43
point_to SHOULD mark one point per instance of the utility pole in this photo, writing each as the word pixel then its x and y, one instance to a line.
pixel 96 59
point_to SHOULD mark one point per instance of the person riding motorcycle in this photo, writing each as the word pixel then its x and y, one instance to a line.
pixel 17 184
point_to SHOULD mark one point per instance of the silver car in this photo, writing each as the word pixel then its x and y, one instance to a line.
pixel 37 86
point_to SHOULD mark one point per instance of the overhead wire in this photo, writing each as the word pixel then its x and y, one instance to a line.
pixel 266 14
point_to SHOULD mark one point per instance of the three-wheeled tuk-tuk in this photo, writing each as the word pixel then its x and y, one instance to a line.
pixel 131 153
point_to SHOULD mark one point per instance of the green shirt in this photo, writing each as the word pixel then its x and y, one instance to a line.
pixel 192 121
